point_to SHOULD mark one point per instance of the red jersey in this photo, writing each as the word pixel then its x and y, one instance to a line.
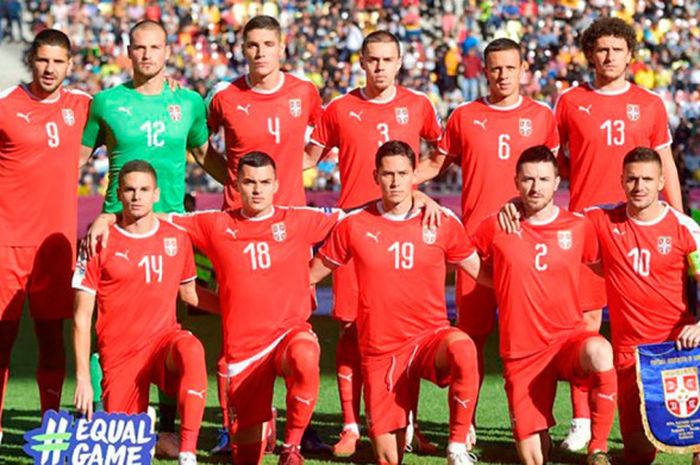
pixel 262 265
pixel 535 282
pixel 358 126
pixel 39 158
pixel 489 139
pixel 401 273
pixel 274 122
pixel 136 279
pixel 645 269
pixel 600 128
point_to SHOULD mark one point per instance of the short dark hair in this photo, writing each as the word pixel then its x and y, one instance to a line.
pixel 137 166
pixel 642 155
pixel 49 37
pixel 500 45
pixel 262 22
pixel 537 154
pixel 605 27
pixel 393 148
pixel 381 36
pixel 146 23
pixel 255 160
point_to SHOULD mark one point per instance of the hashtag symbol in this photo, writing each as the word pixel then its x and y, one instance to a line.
pixel 48 444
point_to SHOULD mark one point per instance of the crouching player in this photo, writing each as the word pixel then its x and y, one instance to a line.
pixel 403 330
pixel 135 280
pixel 543 335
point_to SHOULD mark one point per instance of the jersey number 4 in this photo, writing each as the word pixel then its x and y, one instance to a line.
pixel 152 267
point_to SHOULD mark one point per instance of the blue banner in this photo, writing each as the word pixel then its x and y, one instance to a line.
pixel 670 395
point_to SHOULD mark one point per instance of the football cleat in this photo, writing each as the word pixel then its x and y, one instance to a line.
pixel 598 458
pixel 347 444
pixel 311 443
pixel 223 445
pixel 168 445
pixel 290 455
pixel 461 458
pixel 579 434
pixel 186 458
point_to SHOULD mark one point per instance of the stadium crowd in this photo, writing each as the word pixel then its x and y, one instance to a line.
pixel 442 40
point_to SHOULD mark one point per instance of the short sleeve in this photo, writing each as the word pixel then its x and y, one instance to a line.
pixel 690 232
pixel 319 222
pixel 661 135
pixel 431 129
pixel 458 245
pixel 337 248
pixel 449 143
pixel 324 133
pixel 197 225
pixel 560 120
pixel 552 136
pixel 215 119
pixel 199 133
pixel 591 248
pixel 189 271
pixel 93 133
pixel 483 237
pixel 86 276
pixel 316 112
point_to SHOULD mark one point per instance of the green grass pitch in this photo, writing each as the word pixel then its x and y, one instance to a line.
pixel 495 444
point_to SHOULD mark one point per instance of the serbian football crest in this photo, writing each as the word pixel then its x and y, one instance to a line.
pixel 664 245
pixel 68 116
pixel 633 112
pixel 401 115
pixel 279 232
pixel 175 112
pixel 681 392
pixel 564 239
pixel 525 126
pixel 170 246
pixel 295 107
pixel 429 235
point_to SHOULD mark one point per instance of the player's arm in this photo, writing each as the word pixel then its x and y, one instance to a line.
pixel 430 167
pixel 199 297
pixel 320 268
pixel 211 161
pixel 312 154
pixel 85 154
pixel 477 269
pixel 672 186
pixel 98 233
pixel 82 324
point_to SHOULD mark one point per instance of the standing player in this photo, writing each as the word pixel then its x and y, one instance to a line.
pixel 146 261
pixel 357 124
pixel 403 331
pixel 599 122
pixel 40 128
pixel 487 135
pixel 260 253
pixel 543 336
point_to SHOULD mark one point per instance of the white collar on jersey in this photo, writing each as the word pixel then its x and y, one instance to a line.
pixel 545 221
pixel 265 91
pixel 264 217
pixel 150 233
pixel 650 222
pixel 34 97
pixel 501 108
pixel 378 101
pixel 394 217
pixel 620 91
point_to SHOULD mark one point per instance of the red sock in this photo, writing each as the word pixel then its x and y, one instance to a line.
pixel 579 401
pixel 191 396
pixel 51 369
pixel 602 401
pixel 8 334
pixel 464 387
pixel 302 387
pixel 247 454
pixel 222 389
pixel 349 375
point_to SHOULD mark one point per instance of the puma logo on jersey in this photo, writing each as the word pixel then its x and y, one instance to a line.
pixel 618 231
pixel 586 110
pixel 461 402
pixel 357 115
pixel 124 110
pixel 24 116
pixel 124 255
pixel 375 237
pixel 482 124
pixel 244 109
pixel 347 378
pixel 232 232
pixel 610 397
pixel 304 401
pixel 199 394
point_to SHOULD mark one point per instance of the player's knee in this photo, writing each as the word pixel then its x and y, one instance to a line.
pixel 303 356
pixel 597 354
pixel 461 352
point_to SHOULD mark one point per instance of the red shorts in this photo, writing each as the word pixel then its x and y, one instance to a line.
pixel 392 382
pixel 43 273
pixel 531 383
pixel 125 386
pixel 251 382
pixel 628 404
pixel 346 293
pixel 476 306
pixel 591 290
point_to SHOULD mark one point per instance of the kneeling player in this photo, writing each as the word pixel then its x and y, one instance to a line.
pixel 136 279
pixel 404 333
pixel 543 337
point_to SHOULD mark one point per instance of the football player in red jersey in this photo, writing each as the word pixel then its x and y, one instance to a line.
pixel 486 136
pixel 599 122
pixel 357 123
pixel 542 333
pixel 146 261
pixel 40 128
pixel 401 267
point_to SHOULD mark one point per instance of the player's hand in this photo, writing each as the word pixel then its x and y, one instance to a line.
pixel 432 211
pixel 98 234
pixel 689 338
pixel 173 83
pixel 83 398
pixel 509 217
